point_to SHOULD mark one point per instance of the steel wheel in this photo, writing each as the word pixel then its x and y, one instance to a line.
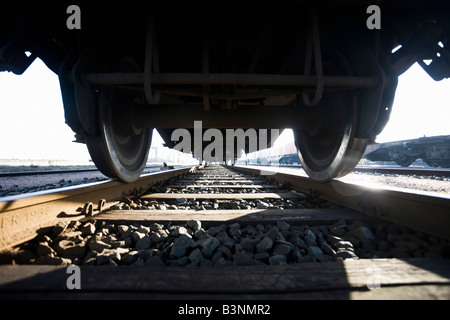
pixel 329 148
pixel 405 162
pixel 120 150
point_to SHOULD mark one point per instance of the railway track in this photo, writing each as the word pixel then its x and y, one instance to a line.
pixel 59 171
pixel 43 172
pixel 409 171
pixel 224 233
pixel 16 183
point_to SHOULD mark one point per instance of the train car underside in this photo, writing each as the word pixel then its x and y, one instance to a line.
pixel 325 70
pixel 434 151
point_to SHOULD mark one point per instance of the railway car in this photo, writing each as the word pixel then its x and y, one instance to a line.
pixel 269 160
pixel 289 159
pixel 434 151
pixel 324 68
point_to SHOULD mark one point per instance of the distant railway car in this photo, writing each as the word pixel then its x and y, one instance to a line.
pixel 434 151
pixel 289 159
pixel 326 69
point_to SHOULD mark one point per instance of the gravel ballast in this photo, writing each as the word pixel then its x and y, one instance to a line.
pixel 192 244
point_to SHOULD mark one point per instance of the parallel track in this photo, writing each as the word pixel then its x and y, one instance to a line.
pixel 47 172
pixel 426 172
pixel 410 171
pixel 21 217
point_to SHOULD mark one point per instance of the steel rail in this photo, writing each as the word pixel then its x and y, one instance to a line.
pixel 426 212
pixel 43 172
pixel 334 279
pixel 46 172
pixel 21 217
pixel 428 172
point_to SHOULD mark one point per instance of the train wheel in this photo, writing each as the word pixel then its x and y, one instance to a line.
pixel 406 162
pixel 120 150
pixel 328 148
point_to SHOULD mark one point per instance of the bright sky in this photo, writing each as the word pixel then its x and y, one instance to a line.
pixel 32 117
pixel 32 124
